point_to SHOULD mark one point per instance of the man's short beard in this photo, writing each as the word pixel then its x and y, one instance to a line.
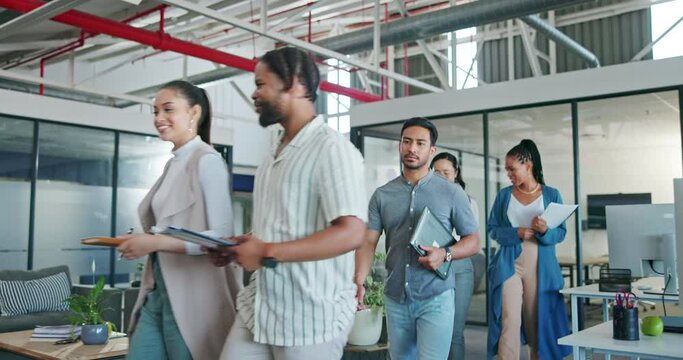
pixel 412 167
pixel 269 115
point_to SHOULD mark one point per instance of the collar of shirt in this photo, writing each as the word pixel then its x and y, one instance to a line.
pixel 305 134
pixel 186 149
pixel 425 179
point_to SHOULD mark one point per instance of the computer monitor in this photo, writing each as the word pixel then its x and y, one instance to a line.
pixel 596 204
pixel 641 238
pixel 678 214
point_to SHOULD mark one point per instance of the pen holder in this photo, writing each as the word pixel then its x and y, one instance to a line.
pixel 625 323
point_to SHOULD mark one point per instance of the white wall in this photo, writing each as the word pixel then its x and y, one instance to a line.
pixel 73 112
pixel 576 84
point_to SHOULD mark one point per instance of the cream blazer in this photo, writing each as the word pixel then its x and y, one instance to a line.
pixel 202 296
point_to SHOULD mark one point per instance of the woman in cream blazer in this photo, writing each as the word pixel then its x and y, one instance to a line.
pixel 186 305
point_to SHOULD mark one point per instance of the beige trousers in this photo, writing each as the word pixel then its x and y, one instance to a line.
pixel 240 345
pixel 520 305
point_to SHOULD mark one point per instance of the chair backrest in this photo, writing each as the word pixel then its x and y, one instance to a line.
pixel 25 275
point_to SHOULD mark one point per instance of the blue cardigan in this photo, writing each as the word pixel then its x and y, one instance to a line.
pixel 552 315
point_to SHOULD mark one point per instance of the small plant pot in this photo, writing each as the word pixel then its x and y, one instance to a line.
pixel 94 334
pixel 367 327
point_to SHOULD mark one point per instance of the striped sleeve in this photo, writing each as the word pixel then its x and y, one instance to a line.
pixel 342 182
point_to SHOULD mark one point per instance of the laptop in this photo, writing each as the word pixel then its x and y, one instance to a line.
pixel 429 231
pixel 673 324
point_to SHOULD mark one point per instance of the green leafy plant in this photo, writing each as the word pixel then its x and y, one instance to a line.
pixel 374 284
pixel 88 309
pixel 374 294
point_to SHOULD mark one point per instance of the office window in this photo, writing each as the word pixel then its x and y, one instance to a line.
pixel 628 144
pixel 141 161
pixel 338 105
pixel 16 142
pixel 73 198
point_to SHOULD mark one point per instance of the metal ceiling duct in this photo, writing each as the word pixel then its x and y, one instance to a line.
pixel 438 22
pixel 560 38
pixel 74 95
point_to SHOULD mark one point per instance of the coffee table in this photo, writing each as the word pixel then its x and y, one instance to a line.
pixel 20 343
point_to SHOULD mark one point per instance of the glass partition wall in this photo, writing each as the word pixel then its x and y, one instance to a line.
pixel 16 147
pixel 623 143
pixel 60 183
pixel 629 144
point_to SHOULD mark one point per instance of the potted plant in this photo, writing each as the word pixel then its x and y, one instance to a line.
pixel 88 315
pixel 367 325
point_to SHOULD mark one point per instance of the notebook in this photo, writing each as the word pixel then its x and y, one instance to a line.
pixel 430 232
pixel 195 237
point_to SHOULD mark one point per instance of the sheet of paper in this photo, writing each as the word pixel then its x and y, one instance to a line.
pixel 555 214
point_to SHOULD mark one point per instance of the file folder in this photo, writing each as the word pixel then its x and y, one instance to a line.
pixel 430 232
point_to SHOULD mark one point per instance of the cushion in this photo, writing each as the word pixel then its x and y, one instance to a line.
pixel 18 297
pixel 32 274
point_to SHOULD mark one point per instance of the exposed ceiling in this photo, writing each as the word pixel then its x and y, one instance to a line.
pixel 326 27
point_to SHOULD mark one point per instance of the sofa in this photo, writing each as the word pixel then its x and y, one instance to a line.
pixel 56 282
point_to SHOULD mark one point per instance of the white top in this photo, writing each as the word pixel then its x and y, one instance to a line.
pixel 520 215
pixel 317 178
pixel 213 179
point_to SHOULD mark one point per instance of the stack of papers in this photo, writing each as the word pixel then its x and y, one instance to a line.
pixel 55 332
pixel 555 214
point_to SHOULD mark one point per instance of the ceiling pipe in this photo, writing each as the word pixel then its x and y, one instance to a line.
pixel 561 38
pixel 161 41
pixel 439 22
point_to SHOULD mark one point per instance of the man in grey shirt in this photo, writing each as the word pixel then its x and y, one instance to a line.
pixel 419 303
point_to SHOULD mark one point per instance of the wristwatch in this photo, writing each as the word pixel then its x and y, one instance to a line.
pixel 268 259
pixel 269 262
pixel 449 256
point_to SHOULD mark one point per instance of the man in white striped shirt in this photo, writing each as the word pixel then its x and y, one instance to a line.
pixel 309 216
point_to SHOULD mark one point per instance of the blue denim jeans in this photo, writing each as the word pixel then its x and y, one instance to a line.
pixel 157 335
pixel 421 329
pixel 464 285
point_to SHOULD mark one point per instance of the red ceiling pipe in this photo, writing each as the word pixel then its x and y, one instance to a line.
pixel 97 24
pixel 352 93
pixel 81 41
pixel 161 20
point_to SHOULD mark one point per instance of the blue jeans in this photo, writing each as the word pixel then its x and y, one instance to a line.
pixel 421 329
pixel 157 335
pixel 464 285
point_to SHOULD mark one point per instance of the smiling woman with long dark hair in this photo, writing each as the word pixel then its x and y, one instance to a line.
pixel 186 305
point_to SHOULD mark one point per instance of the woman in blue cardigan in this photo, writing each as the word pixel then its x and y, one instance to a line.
pixel 524 276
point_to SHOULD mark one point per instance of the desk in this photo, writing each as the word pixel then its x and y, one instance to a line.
pixel 592 291
pixel 599 339
pixel 19 342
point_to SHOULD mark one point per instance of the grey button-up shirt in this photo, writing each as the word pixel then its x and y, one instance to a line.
pixel 395 209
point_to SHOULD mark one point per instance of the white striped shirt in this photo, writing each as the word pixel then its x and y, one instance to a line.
pixel 317 178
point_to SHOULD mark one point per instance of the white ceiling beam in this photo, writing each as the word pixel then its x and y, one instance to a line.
pixel 189 6
pixel 298 14
pixel 436 67
pixel 31 45
pixel 530 49
pixel 58 85
pixel 47 11
pixel 649 46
